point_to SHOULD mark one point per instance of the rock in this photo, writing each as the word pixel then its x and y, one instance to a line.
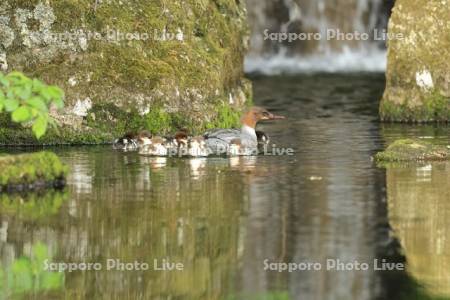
pixel 131 57
pixel 33 171
pixel 418 78
pixel 413 150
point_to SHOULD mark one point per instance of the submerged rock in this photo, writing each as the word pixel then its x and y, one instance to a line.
pixel 122 62
pixel 412 150
pixel 418 77
pixel 32 171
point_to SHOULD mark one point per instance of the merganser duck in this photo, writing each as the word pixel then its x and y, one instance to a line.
pixel 178 144
pixel 219 140
pixel 263 139
pixel 131 141
pixel 197 147
pixel 156 147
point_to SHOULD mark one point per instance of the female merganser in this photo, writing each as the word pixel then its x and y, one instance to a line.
pixel 197 147
pixel 263 139
pixel 131 141
pixel 219 140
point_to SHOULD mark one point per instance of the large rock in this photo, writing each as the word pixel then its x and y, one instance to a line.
pixel 124 64
pixel 418 77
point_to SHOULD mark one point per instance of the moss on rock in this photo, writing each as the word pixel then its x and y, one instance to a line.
pixel 417 77
pixel 182 59
pixel 31 171
pixel 412 150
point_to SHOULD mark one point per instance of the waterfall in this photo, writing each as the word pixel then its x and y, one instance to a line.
pixel 357 45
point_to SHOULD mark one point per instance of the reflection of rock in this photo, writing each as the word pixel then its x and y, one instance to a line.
pixel 419 213
pixel 151 213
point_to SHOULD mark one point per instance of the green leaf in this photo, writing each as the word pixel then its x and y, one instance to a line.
pixel 40 126
pixel 59 103
pixel 4 82
pixel 11 104
pixel 22 114
pixel 55 94
pixel 24 92
pixel 38 86
pixel 37 103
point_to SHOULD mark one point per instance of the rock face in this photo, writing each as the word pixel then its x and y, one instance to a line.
pixel 418 71
pixel 118 61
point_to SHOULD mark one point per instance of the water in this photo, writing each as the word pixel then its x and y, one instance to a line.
pixel 222 218
pixel 330 36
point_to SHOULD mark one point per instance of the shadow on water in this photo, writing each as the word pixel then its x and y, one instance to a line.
pixel 223 217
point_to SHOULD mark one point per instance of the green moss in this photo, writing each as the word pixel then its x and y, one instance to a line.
pixel 435 108
pixel 184 83
pixel 30 168
pixel 412 150
pixel 227 117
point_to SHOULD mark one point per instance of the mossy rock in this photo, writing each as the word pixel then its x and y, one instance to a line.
pixel 31 171
pixel 408 150
pixel 417 77
pixel 183 67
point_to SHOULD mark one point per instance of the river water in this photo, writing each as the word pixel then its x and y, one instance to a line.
pixel 223 219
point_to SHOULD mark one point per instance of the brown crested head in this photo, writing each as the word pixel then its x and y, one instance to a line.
pixel 256 114
pixel 145 134
pixel 129 135
pixel 182 137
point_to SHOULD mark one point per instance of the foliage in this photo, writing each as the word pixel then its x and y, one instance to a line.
pixel 29 100
pixel 27 274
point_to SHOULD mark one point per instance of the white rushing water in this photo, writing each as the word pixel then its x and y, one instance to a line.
pixel 312 48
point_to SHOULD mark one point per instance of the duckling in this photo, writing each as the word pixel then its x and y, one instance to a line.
pixel 132 141
pixel 144 138
pixel 197 147
pixel 177 145
pixel 126 143
pixel 156 147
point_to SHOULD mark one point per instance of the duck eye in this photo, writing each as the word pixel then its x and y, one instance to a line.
pixel 265 114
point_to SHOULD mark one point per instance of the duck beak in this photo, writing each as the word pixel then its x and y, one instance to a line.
pixel 276 117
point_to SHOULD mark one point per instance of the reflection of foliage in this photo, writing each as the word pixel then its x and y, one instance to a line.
pixel 263 296
pixel 27 274
pixel 28 100
pixel 33 205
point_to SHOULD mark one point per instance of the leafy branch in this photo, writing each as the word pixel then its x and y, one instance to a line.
pixel 29 100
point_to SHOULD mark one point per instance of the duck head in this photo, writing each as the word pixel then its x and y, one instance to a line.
pixel 256 114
